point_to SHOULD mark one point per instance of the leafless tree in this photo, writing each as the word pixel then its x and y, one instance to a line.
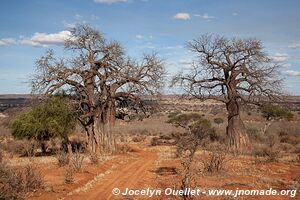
pixel 98 74
pixel 233 71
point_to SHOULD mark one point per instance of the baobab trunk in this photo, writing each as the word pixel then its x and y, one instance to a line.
pixel 236 131
pixel 109 122
pixel 91 139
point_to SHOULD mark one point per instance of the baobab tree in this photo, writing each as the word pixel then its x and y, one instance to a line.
pixel 233 71
pixel 97 73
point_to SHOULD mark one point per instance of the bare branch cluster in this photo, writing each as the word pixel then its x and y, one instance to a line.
pixel 230 67
pixel 98 74
pixel 98 71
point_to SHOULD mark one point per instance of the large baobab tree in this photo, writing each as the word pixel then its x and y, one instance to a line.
pixel 234 71
pixel 97 74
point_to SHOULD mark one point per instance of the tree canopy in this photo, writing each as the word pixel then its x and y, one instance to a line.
pixel 233 71
pixel 53 118
pixel 275 112
pixel 98 74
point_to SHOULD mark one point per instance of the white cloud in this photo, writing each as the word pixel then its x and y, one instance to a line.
pixel 205 17
pixel 7 41
pixel 78 16
pixel 29 42
pixel 286 65
pixel 235 14
pixel 68 25
pixel 95 17
pixel 292 73
pixel 182 16
pixel 280 57
pixel 139 36
pixel 174 47
pixel 185 61
pixel 294 45
pixel 43 39
pixel 109 1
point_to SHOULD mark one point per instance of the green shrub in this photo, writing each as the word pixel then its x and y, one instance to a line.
pixel 218 120
pixel 54 118
pixel 253 133
pixel 174 113
pixel 271 111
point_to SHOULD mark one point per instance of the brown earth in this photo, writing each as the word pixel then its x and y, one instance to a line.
pixel 136 173
pixel 136 170
pixel 131 170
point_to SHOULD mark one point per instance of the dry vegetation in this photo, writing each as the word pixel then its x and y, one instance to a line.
pixel 273 161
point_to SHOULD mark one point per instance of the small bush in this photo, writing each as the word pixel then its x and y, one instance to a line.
pixel 63 158
pixel 271 139
pixel 291 139
pixel 272 111
pixel 138 138
pixel 253 133
pixel 15 183
pixel 174 113
pixel 215 162
pixel 215 111
pixel 271 153
pixel 94 159
pixel 20 147
pixel 287 147
pixel 124 148
pixel 218 120
pixel 77 161
pixel 32 178
pixel 297 148
pixel 11 183
pixel 69 175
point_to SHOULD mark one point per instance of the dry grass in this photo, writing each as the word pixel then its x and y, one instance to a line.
pixel 69 175
pixel 77 161
pixel 14 184
pixel 63 158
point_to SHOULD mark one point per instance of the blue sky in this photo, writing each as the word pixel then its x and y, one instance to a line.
pixel 29 27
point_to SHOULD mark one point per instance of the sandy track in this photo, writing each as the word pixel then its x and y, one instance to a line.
pixel 137 173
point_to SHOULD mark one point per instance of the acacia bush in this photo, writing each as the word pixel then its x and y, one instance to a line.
pixel 53 118
pixel 197 130
pixel 272 111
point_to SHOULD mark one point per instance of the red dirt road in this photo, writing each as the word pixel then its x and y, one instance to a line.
pixel 137 173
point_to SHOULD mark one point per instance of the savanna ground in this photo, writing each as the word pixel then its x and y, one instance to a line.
pixel 147 158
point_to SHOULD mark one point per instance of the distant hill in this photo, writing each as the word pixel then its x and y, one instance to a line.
pixel 13 100
pixel 165 101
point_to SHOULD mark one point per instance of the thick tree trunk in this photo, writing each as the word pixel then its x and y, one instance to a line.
pixel 236 131
pixel 109 122
pixel 99 137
